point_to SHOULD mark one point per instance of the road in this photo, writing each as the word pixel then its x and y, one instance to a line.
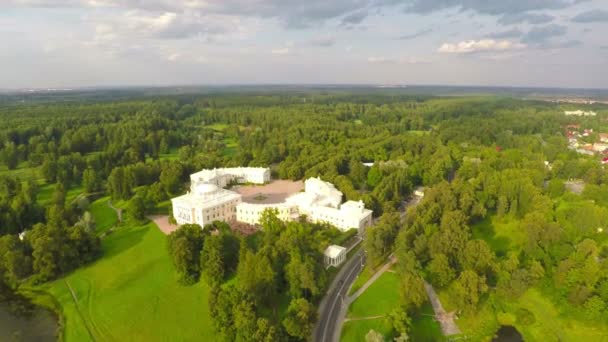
pixel 332 305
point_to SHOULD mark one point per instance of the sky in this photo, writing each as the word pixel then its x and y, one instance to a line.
pixel 88 43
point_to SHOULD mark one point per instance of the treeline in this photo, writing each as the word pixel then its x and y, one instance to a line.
pixel 61 239
pixel 283 262
pixel 562 251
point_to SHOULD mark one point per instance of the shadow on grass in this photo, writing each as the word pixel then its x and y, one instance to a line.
pixel 122 239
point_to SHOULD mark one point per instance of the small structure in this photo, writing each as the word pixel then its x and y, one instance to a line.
pixel 580 113
pixel 605 161
pixel 604 137
pixel 600 147
pixel 334 255
pixel 419 192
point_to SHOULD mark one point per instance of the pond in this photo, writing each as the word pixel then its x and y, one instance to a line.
pixel 507 333
pixel 34 324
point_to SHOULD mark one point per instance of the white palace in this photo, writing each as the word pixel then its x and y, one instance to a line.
pixel 320 201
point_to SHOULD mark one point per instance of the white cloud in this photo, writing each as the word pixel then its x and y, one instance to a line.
pixel 403 60
pixel 381 60
pixel 173 57
pixel 280 51
pixel 484 45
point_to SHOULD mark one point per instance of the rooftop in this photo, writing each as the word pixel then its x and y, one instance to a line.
pixel 333 251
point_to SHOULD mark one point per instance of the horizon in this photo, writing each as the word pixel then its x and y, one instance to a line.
pixel 187 43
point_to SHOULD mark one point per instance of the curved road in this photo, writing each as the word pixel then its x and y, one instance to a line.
pixel 332 304
pixel 332 308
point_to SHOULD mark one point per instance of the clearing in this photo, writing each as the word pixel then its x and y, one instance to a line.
pixel 130 294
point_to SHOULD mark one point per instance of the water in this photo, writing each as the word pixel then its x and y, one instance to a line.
pixel 35 324
pixel 507 333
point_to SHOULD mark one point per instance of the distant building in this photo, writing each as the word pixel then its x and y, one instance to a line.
pixel 320 202
pixel 334 255
pixel 605 161
pixel 604 137
pixel 204 204
pixel 580 113
pixel 600 147
pixel 223 177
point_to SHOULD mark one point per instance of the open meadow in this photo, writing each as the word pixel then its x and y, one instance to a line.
pixel 131 294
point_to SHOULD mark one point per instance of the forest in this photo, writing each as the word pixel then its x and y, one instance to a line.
pixel 498 222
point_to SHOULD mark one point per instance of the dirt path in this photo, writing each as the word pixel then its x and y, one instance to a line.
pixel 363 318
pixel 162 221
pixel 445 319
pixel 386 267
pixel 117 210
pixel 78 310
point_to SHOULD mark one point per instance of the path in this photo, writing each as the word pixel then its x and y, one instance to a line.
pixel 363 318
pixel 384 268
pixel 162 221
pixel 445 319
pixel 78 310
pixel 117 210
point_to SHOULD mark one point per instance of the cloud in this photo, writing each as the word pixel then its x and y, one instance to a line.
pixel 404 60
pixel 381 60
pixel 354 18
pixel 323 41
pixel 492 7
pixel 416 34
pixel 530 18
pixel 513 33
pixel 484 45
pixel 539 35
pixel 304 14
pixel 280 51
pixel 593 16
pixel 173 57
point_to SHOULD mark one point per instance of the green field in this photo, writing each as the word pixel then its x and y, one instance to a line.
pixel 376 303
pixel 105 217
pixel 502 234
pixel 379 299
pixel 131 294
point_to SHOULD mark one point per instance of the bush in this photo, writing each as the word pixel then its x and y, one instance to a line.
pixel 525 316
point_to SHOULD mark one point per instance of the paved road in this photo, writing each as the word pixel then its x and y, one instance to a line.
pixel 332 305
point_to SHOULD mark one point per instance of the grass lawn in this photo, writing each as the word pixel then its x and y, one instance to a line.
pixel 355 331
pixel 379 299
pixel 23 171
pixel 424 327
pixel 131 294
pixel 105 217
pixel 363 277
pixel 220 127
pixel 551 324
pixel 502 234
pixel 231 146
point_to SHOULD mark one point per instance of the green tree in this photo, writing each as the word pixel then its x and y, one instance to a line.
pixel 440 270
pixel 90 181
pixel 137 209
pixel 468 289
pixel 300 318
pixel 184 246
pixel 212 263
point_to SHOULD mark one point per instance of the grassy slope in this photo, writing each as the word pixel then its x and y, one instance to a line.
pixel 379 300
pixel 105 217
pixel 131 294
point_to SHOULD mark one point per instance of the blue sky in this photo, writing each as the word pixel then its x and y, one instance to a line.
pixel 75 43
